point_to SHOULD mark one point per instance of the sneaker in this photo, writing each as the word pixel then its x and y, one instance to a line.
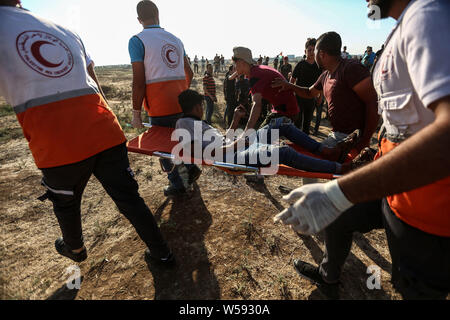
pixel 170 190
pixel 311 273
pixel 65 251
pixel 167 261
pixel 194 174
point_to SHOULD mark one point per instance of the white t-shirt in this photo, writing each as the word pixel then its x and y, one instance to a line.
pixel 414 69
pixel 89 60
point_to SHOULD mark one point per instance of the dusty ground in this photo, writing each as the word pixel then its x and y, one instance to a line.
pixel 222 234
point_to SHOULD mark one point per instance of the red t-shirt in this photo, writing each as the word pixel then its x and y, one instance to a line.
pixel 261 78
pixel 346 110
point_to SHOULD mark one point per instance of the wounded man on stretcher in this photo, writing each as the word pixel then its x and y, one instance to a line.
pixel 258 149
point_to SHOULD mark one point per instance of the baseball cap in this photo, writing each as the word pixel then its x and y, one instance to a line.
pixel 243 54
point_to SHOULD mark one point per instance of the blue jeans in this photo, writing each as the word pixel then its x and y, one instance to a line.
pixel 209 109
pixel 287 155
pixel 174 176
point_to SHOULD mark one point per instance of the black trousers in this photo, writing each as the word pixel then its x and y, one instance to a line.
pixel 420 261
pixel 112 169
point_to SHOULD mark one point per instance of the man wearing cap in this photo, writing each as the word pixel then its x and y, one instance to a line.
pixel 407 189
pixel 161 71
pixel 284 104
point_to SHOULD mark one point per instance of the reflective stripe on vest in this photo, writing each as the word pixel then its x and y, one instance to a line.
pixel 164 72
pixel 425 208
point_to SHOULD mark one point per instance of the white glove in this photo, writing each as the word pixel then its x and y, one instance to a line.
pixel 137 120
pixel 317 207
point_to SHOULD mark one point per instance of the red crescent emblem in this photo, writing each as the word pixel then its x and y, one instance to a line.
pixel 35 50
pixel 168 56
pixel 29 44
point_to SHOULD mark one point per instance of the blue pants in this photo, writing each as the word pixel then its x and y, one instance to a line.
pixel 174 176
pixel 287 155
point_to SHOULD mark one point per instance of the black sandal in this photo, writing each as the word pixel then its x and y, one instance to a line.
pixel 364 157
pixel 346 147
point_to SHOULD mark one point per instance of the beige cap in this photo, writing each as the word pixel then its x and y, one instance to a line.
pixel 244 54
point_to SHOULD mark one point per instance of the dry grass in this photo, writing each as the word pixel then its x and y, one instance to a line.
pixel 222 233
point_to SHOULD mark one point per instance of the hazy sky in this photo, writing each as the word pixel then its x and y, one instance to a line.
pixel 207 27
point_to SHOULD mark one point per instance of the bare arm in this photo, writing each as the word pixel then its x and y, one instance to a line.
pixel 366 92
pixel 403 168
pixel 139 85
pixel 188 71
pixel 91 72
pixel 255 113
pixel 307 93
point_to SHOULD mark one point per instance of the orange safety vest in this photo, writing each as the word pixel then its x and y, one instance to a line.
pixel 161 98
pixel 426 208
pixel 164 72
pixel 68 131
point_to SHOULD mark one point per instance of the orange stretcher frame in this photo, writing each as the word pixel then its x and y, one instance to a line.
pixel 157 142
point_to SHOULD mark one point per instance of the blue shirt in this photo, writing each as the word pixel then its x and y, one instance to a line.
pixel 370 58
pixel 136 48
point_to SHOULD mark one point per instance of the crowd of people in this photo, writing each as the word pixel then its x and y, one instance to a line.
pixel 404 190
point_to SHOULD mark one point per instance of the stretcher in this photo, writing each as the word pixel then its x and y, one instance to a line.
pixel 157 142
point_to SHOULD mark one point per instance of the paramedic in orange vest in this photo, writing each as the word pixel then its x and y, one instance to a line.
pixel 161 71
pixel 407 189
pixel 70 129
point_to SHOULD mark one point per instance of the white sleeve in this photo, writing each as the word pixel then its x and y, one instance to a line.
pixel 426 44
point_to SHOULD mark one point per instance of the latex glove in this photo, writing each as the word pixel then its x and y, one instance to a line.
pixel 316 207
pixel 137 120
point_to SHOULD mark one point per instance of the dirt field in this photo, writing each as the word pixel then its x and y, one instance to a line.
pixel 222 234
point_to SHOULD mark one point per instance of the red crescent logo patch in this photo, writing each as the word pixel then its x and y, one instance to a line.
pixel 171 56
pixel 44 53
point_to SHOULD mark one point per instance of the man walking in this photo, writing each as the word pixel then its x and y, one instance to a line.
pixel 161 72
pixel 209 89
pixel 71 131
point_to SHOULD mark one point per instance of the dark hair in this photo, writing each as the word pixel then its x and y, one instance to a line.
pixel 330 43
pixel 188 100
pixel 310 42
pixel 147 10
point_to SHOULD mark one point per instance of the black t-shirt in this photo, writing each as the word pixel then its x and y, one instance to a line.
pixel 306 73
